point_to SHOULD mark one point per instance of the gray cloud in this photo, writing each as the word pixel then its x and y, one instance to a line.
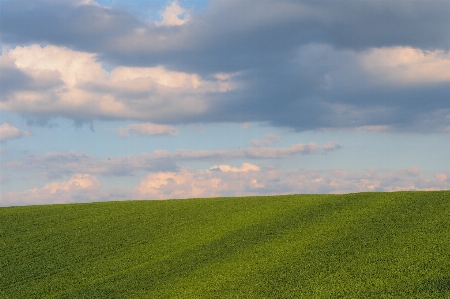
pixel 301 63
pixel 55 164
pixel 233 35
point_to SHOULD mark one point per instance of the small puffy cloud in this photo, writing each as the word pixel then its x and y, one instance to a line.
pixel 8 131
pixel 147 129
pixel 174 15
pixel 268 139
pixel 244 168
pixel 77 182
pixel 331 146
pixel 165 185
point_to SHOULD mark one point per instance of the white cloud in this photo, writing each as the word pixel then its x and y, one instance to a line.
pixel 80 188
pixel 147 129
pixel 226 180
pixel 61 82
pixel 268 139
pixel 8 131
pixel 164 185
pixel 234 181
pixel 406 65
pixel 244 168
pixel 174 15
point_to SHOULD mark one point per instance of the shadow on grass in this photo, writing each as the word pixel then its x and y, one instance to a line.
pixel 439 286
pixel 442 284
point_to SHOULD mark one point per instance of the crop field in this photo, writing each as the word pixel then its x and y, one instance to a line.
pixel 363 245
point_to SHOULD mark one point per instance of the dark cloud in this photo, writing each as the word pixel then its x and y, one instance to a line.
pixel 299 60
pixel 67 23
pixel 230 35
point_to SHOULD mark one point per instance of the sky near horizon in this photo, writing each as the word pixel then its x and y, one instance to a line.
pixel 114 99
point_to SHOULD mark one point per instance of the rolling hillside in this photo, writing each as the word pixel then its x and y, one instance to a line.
pixel 365 245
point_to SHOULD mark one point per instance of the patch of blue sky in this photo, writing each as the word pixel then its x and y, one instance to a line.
pixel 151 9
pixel 360 149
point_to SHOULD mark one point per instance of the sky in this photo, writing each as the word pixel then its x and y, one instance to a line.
pixel 140 99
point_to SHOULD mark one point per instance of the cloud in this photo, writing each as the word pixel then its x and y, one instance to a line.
pixel 267 140
pixel 8 132
pixel 306 65
pixel 212 39
pixel 55 164
pixel 79 188
pixel 225 180
pixel 244 168
pixel 236 182
pixel 173 15
pixel 166 185
pixel 61 82
pixel 147 129
pixel 407 65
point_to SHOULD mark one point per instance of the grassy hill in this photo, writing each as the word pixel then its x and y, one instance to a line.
pixel 366 245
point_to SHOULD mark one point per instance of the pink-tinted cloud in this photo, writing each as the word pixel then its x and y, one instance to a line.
pixel 80 187
pixel 225 180
pixel 56 164
pixel 8 131
pixel 55 81
pixel 267 140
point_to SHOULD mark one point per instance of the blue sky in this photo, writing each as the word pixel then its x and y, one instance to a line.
pixel 115 100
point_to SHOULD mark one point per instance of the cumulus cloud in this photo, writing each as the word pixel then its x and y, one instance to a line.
pixel 80 188
pixel 58 81
pixel 233 181
pixel 173 15
pixel 8 131
pixel 407 65
pixel 165 185
pixel 147 129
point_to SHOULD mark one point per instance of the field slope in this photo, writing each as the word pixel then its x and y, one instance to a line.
pixel 365 245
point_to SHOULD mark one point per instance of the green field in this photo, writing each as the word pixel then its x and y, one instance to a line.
pixel 364 245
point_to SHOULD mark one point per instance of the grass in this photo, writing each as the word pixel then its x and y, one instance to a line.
pixel 365 245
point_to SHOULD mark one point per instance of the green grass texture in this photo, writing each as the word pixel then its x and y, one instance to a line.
pixel 361 245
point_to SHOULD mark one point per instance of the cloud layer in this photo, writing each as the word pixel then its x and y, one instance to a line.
pixel 55 164
pixel 225 180
pixel 301 64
